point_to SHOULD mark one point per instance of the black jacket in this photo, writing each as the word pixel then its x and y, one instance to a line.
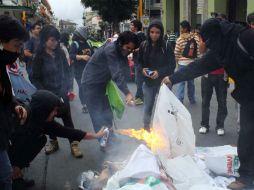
pixel 225 52
pixel 79 48
pixel 159 57
pixel 42 104
pixel 7 104
pixel 51 73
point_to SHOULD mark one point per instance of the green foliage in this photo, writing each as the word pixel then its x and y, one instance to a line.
pixel 113 11
pixel 70 29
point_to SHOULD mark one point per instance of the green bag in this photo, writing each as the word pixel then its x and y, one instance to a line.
pixel 115 100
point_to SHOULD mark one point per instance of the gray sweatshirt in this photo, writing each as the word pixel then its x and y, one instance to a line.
pixel 106 63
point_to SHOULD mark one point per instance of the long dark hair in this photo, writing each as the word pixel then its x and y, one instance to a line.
pixel 160 45
pixel 47 32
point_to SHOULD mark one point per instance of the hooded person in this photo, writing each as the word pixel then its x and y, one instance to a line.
pixel 107 64
pixel 28 141
pixel 80 53
pixel 230 46
pixel 157 60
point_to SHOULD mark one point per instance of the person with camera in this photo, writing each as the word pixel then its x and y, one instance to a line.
pixel 157 60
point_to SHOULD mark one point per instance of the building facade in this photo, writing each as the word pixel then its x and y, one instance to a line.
pixel 197 11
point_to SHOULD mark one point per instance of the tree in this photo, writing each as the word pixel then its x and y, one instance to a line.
pixel 112 11
pixel 70 29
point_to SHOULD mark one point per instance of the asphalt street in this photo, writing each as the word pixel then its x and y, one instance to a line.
pixel 61 171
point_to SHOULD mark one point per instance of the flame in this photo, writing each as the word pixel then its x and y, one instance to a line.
pixel 154 139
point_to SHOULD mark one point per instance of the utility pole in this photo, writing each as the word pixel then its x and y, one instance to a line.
pixel 140 8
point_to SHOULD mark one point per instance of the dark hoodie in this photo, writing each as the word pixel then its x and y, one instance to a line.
pixel 159 57
pixel 31 135
pixel 42 104
pixel 7 101
pixel 221 39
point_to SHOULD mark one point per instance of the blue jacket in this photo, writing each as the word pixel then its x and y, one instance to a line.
pixel 106 63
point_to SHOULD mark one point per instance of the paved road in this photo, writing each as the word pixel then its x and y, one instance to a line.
pixel 61 171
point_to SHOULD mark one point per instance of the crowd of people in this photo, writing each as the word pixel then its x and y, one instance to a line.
pixel 219 50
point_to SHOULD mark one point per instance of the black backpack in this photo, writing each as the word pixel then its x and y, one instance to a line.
pixel 190 49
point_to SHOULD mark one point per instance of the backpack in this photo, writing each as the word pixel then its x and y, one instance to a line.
pixel 241 46
pixel 190 49
pixel 77 44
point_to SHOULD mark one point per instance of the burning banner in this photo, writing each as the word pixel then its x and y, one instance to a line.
pixel 154 139
pixel 172 134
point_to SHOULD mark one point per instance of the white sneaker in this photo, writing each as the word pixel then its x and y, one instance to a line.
pixel 203 130
pixel 220 132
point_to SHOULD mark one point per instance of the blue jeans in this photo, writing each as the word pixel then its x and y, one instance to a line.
pixel 139 79
pixel 98 105
pixel 181 87
pixel 150 93
pixel 5 171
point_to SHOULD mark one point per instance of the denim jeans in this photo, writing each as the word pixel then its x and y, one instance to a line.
pixel 181 87
pixel 220 85
pixel 81 91
pixel 139 79
pixel 65 114
pixel 5 171
pixel 150 93
pixel 98 105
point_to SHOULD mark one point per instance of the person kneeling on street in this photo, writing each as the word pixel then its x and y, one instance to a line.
pixel 28 140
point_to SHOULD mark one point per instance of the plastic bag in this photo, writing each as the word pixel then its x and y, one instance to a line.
pixel 136 186
pixel 227 165
pixel 137 166
pixel 185 173
pixel 174 122
pixel 86 178
pixel 205 187
pixel 115 100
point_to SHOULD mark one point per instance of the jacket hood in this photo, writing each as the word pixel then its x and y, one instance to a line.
pixel 157 24
pixel 43 103
pixel 214 30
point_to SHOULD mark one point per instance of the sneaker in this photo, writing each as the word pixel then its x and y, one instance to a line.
pixel 220 132
pixel 84 109
pixel 203 130
pixel 51 147
pixel 75 150
pixel 237 185
pixel 139 101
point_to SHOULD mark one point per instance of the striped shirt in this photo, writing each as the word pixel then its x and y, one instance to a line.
pixel 180 45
